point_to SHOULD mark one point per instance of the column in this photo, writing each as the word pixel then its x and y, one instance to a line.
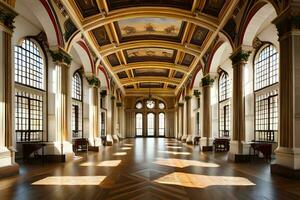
pixel 206 140
pixel 119 116
pixel 288 152
pixel 238 148
pixel 189 133
pixel 111 133
pixel 7 150
pixel 184 122
pixel 62 143
pixel 94 128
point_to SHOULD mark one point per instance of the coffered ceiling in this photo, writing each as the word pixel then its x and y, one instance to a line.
pixel 150 43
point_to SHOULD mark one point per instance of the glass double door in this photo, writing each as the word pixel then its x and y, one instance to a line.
pixel 149 125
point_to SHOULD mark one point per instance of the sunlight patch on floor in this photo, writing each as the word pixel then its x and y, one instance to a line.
pixel 202 181
pixel 174 147
pixel 70 180
pixel 126 148
pixel 120 154
pixel 107 163
pixel 182 163
pixel 128 145
pixel 175 152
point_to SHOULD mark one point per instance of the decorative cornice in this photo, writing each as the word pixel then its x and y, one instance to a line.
pixel 93 81
pixel 7 15
pixel 207 81
pixel 61 56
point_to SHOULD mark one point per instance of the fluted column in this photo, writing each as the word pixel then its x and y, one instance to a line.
pixel 94 129
pixel 288 152
pixel 7 152
pixel 63 145
pixel 239 59
pixel 189 133
pixel 206 124
pixel 180 120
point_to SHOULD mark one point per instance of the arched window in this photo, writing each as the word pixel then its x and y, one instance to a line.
pixel 266 67
pixel 139 124
pixel 161 124
pixel 139 105
pixel 76 86
pixel 77 106
pixel 266 72
pixel 224 105
pixel 30 85
pixel 150 124
pixel 224 87
pixel 161 105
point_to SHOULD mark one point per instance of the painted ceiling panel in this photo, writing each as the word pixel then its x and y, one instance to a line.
pixel 213 7
pixel 150 54
pixel 101 36
pixel 151 72
pixel 113 59
pixel 151 85
pixel 87 7
pixel 118 4
pixel 150 28
pixel 199 36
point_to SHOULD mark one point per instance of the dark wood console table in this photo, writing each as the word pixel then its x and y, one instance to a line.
pixel 263 147
pixel 222 144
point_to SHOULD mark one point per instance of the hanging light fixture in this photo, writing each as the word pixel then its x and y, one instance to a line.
pixel 150 103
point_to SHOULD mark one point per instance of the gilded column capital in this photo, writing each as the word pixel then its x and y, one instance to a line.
pixel 61 57
pixel 180 104
pixel 7 15
pixel 207 81
pixel 188 97
pixel 289 20
pixel 93 81
pixel 119 104
pixel 241 55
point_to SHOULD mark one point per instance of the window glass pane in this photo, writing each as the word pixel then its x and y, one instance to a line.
pixel 29 65
pixel 224 87
pixel 77 87
pixel 161 124
pixel 150 124
pixel 28 116
pixel 139 124
pixel 266 68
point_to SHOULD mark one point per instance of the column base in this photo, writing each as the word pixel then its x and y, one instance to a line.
pixel 239 152
pixel 95 142
pixel 54 152
pixel 7 165
pixel 109 140
pixel 115 138
pixel 288 160
pixel 183 138
pixel 189 139
pixel 207 145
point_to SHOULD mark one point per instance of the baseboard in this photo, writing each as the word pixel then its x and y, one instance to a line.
pixel 285 171
pixel 207 148
pixel 10 170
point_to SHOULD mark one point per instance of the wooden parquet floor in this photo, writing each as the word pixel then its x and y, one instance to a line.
pixel 148 168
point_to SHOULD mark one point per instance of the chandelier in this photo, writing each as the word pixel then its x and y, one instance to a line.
pixel 150 103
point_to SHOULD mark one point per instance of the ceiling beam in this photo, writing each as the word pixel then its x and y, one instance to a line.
pixel 154 91
pixel 150 65
pixel 224 19
pixel 199 19
pixel 110 49
pixel 152 79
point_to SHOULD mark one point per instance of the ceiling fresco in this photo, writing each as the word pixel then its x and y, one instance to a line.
pixel 150 54
pixel 160 42
pixel 118 4
pixel 149 28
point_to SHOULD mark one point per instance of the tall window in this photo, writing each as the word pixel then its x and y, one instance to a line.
pixel 150 124
pixel 266 72
pixel 29 97
pixel 161 124
pixel 139 124
pixel 224 105
pixel 103 119
pixel 76 106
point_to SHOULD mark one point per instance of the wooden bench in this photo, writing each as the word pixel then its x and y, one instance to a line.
pixel 222 144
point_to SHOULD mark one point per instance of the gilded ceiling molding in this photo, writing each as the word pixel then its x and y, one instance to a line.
pixel 152 79
pixel 148 43
pixel 143 65
pixel 205 21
